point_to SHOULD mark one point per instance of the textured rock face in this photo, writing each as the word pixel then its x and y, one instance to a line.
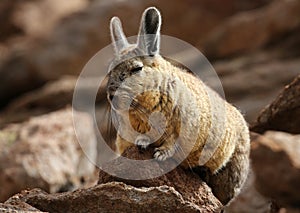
pixel 110 197
pixel 44 152
pixel 276 163
pixel 283 112
pixel 177 191
pixel 18 207
pixel 187 183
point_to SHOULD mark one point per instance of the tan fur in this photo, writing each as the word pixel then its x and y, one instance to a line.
pixel 234 124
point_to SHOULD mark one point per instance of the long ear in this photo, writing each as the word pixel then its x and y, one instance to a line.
pixel 149 34
pixel 117 35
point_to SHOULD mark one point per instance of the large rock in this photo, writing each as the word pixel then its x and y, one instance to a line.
pixel 283 114
pixel 195 192
pixel 52 96
pixel 253 29
pixel 22 18
pixel 109 197
pixel 253 81
pixel 276 163
pixel 177 191
pixel 19 207
pixel 44 152
pixel 66 44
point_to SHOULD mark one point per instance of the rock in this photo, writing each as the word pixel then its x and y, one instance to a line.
pixel 251 82
pixel 27 15
pixel 18 15
pixel 276 163
pixel 288 210
pixel 196 192
pixel 177 191
pixel 109 197
pixel 20 207
pixel 8 27
pixel 53 96
pixel 43 152
pixel 250 200
pixel 252 30
pixel 283 113
pixel 74 32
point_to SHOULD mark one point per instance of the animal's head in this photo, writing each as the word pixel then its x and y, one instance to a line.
pixel 133 69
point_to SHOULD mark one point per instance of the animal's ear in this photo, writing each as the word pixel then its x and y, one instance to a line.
pixel 149 34
pixel 117 35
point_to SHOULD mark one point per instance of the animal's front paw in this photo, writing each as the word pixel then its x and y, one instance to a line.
pixel 142 141
pixel 162 153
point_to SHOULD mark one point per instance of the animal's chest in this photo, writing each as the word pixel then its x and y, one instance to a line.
pixel 153 110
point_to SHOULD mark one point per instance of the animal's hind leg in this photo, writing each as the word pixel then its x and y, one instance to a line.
pixel 227 182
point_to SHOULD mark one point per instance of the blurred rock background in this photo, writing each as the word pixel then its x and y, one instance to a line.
pixel 254 46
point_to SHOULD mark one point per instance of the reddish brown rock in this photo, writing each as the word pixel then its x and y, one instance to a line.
pixel 44 152
pixel 276 163
pixel 19 207
pixel 253 29
pixel 53 96
pixel 251 82
pixel 283 114
pixel 177 191
pixel 109 197
pixel 187 183
pixel 74 32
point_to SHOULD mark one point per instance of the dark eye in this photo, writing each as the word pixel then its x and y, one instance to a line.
pixel 136 70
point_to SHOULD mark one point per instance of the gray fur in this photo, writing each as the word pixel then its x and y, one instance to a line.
pixel 118 37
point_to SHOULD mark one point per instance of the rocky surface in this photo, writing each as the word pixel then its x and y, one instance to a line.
pixel 254 29
pixel 110 197
pixel 276 163
pixel 28 66
pixel 52 96
pixel 19 207
pixel 253 81
pixel 29 62
pixel 196 192
pixel 44 152
pixel 283 112
pixel 253 46
pixel 167 193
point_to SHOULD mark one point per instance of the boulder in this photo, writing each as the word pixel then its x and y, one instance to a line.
pixel 276 163
pixel 253 29
pixel 109 197
pixel 177 191
pixel 44 152
pixel 19 207
pixel 252 81
pixel 53 96
pixel 283 113
pixel 74 32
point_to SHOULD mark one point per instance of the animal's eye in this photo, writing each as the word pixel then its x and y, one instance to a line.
pixel 135 70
